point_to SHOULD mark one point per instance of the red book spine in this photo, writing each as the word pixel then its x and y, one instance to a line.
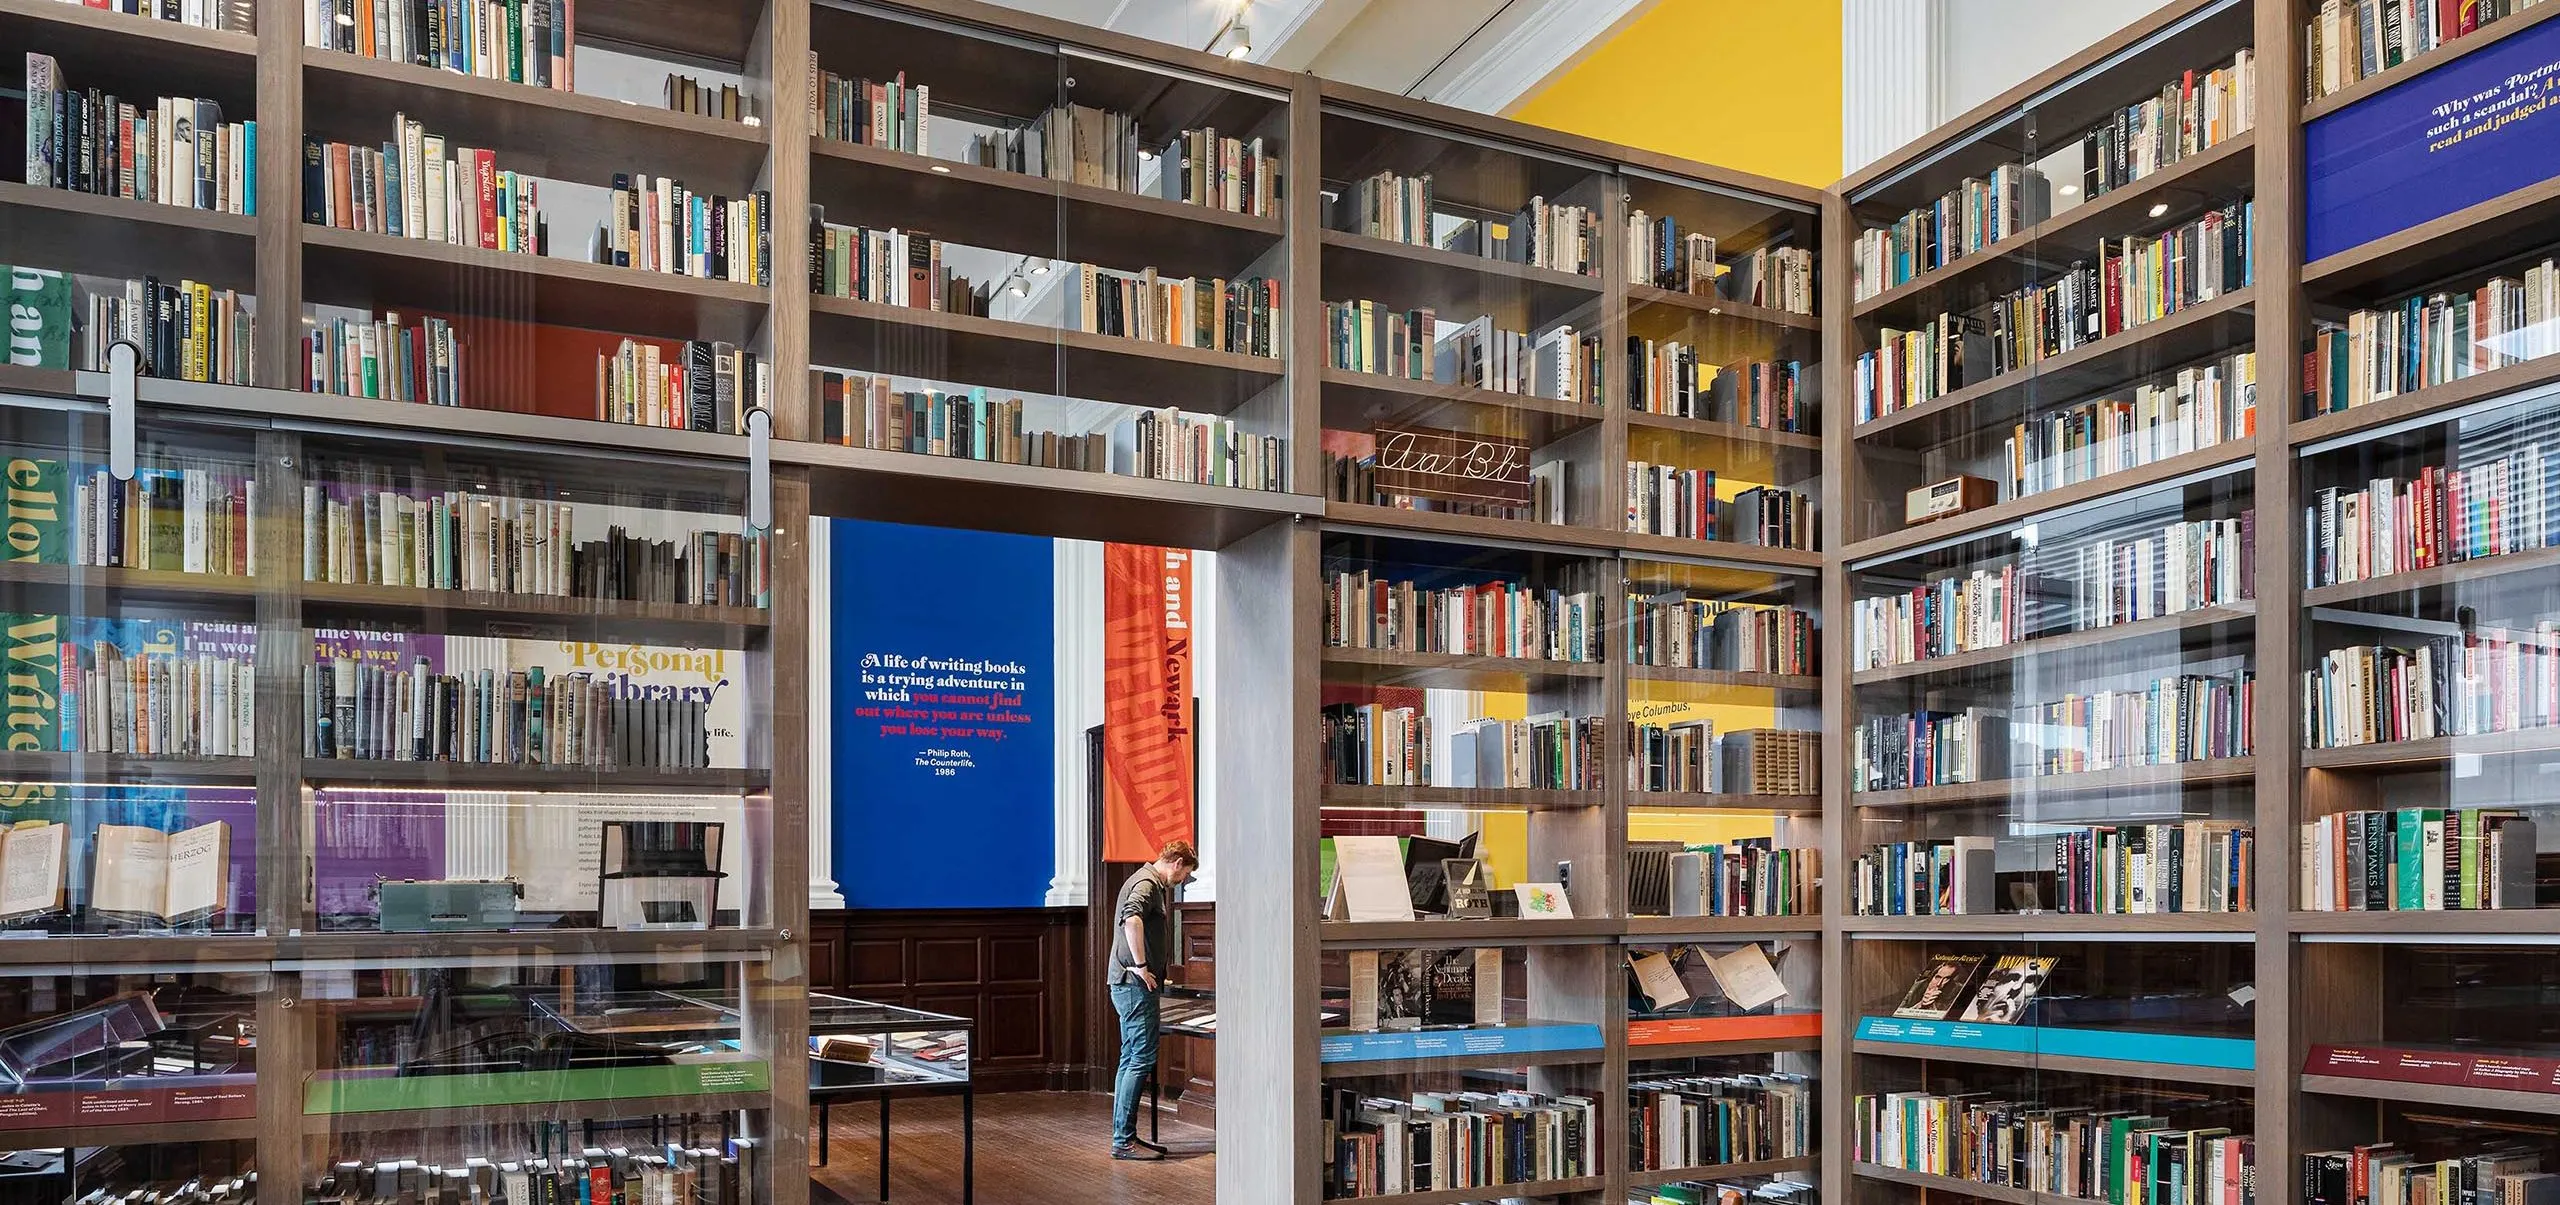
pixel 485 168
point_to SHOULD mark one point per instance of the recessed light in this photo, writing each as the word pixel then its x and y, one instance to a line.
pixel 2071 190
pixel 944 170
pixel 2161 208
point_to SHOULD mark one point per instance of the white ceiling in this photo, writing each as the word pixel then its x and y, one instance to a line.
pixel 1479 54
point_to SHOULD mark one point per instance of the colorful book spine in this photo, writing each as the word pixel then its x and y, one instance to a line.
pixel 520 41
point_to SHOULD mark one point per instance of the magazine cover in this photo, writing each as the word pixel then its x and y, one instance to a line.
pixel 1941 987
pixel 2011 984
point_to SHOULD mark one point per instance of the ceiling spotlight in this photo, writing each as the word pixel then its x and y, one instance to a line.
pixel 1040 267
pixel 1236 40
pixel 2161 208
pixel 1016 285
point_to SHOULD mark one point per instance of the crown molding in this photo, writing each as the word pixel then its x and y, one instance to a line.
pixel 1551 37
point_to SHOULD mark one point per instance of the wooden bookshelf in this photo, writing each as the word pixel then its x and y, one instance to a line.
pixel 2434 401
pixel 1060 219
pixel 2091 782
pixel 2439 1095
pixel 2164 926
pixel 2382 81
pixel 2061 1064
pixel 1718 307
pixel 1489 799
pixel 475 776
pixel 1722 927
pixel 460 609
pixel 57 582
pixel 379 271
pixel 1355 401
pixel 2205 625
pixel 124 237
pixel 2388 756
pixel 1464 1196
pixel 1951 1185
pixel 2186 188
pixel 1666 1052
pixel 546 132
pixel 1478 527
pixel 1719 801
pixel 39 766
pixel 2234 456
pixel 1405 276
pixel 908 487
pixel 2119 359
pixel 1721 1171
pixel 1639 543
pixel 1445 931
pixel 876 337
pixel 1455 671
pixel 2431 586
pixel 1675 675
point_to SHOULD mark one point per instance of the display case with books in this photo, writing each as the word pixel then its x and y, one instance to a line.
pixel 492 1073
pixel 1721 371
pixel 2054 303
pixel 1465 297
pixel 1025 253
pixel 1722 1056
pixel 2425 661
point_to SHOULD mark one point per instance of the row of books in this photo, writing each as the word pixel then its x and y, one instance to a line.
pixel 1364 610
pixel 2484 680
pixel 1436 1141
pixel 659 225
pixel 723 102
pixel 1550 751
pixel 891 114
pixel 1706 1120
pixel 891 267
pixel 2349 40
pixel 2201 406
pixel 1387 206
pixel 1667 500
pixel 1973 215
pixel 2180 567
pixel 489 716
pixel 1676 631
pixel 175 150
pixel 2111 870
pixel 2384 1173
pixel 2169 721
pixel 453 540
pixel 1659 255
pixel 1769 517
pixel 187 330
pixel 1691 757
pixel 416 187
pixel 1543 234
pixel 1244 314
pixel 2079 1151
pixel 1752 876
pixel 238 16
pixel 2132 282
pixel 713 1173
pixel 1414 345
pixel 175 520
pixel 523 41
pixel 862 411
pixel 1370 744
pixel 1666 377
pixel 698 385
pixel 123 691
pixel 2428 339
pixel 2191 115
pixel 2417 860
pixel 384 358
pixel 2497 505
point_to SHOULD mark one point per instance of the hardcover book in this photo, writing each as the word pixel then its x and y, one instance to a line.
pixel 2006 990
pixel 1941 987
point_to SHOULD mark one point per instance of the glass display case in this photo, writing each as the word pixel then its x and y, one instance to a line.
pixel 1463 310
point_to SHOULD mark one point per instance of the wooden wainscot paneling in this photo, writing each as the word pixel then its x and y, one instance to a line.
pixel 1022 973
pixel 1188 1067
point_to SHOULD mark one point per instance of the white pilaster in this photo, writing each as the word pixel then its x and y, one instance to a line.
pixel 821 747
pixel 1889 65
pixel 1077 686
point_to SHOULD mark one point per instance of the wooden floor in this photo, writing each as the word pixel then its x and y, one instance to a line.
pixel 1032 1146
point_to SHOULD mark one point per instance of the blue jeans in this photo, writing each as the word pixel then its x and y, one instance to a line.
pixel 1137 1007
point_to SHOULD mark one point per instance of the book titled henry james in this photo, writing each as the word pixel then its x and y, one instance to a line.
pixel 1935 995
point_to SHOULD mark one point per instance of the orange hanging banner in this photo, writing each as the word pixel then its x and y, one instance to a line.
pixel 1147 796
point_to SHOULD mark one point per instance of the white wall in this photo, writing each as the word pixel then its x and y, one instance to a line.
pixel 1909 65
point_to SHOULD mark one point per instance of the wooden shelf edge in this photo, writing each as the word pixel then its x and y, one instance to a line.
pixel 1428 524
pixel 1737 432
pixel 2476 569
pixel 1501 269
pixel 128 209
pixel 1450 392
pixel 1956 1186
pixel 2388 755
pixel 2211 770
pixel 2043 646
pixel 2431 1094
pixel 1648 1178
pixel 531 265
pixel 1051 336
pixel 345 594
pixel 1490 1192
pixel 1737 311
pixel 1675 675
pixel 1488 799
pixel 176 33
pixel 982 176
pixel 2425 403
pixel 2163 926
pixel 647 120
pixel 1717 801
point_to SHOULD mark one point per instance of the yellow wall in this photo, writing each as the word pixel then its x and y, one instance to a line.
pixel 1752 85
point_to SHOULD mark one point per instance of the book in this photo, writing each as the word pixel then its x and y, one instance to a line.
pixel 1672 630
pixel 530 42
pixel 144 874
pixel 32 857
pixel 2007 988
pixel 1944 984
pixel 724 102
pixel 695 385
pixel 171 151
pixel 1679 1122
pixel 1975 214
pixel 1369 610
